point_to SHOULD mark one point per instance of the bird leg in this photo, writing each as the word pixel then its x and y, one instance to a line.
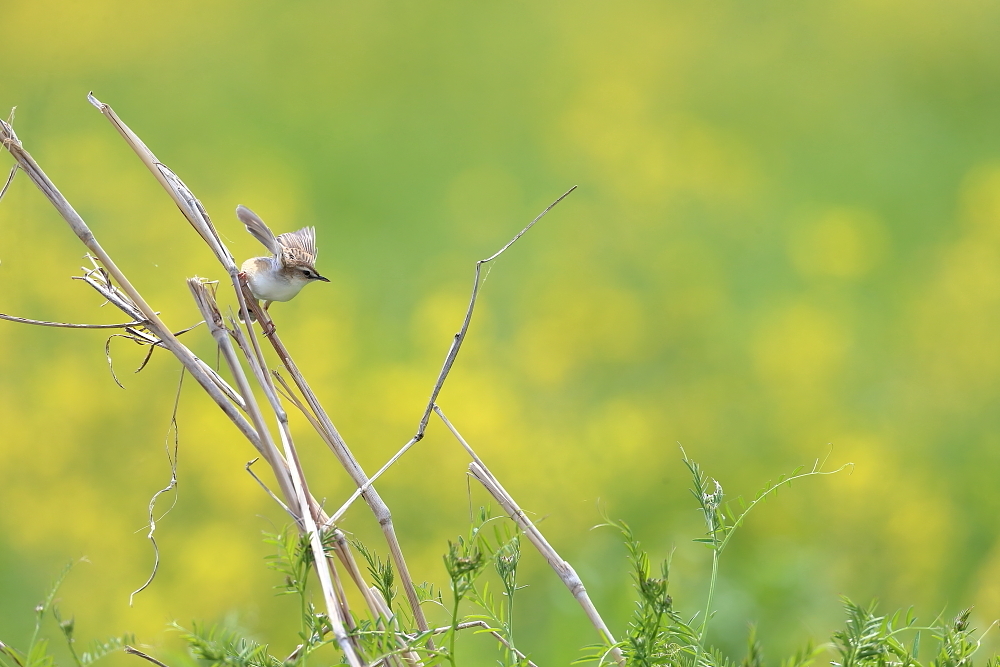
pixel 266 323
pixel 257 314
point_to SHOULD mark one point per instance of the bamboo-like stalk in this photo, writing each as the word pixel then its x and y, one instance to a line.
pixel 285 464
pixel 192 209
pixel 209 310
pixel 449 359
pixel 258 434
pixel 328 432
pixel 411 657
pixel 562 568
pixel 151 319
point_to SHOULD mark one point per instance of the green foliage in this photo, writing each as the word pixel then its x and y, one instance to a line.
pixel 220 647
pixel 869 640
pixel 380 571
pixel 657 634
pixel 38 654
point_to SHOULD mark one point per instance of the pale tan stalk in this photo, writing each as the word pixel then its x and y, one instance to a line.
pixel 209 310
pixel 562 568
pixel 346 556
pixel 411 658
pixel 336 443
pixel 449 359
pixel 153 322
pixel 196 214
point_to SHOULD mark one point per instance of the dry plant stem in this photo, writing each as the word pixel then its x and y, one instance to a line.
pixel 199 219
pixel 411 658
pixel 266 380
pixel 486 626
pixel 449 359
pixel 144 656
pixel 562 568
pixel 10 179
pixel 339 448
pixel 206 305
pixel 188 204
pixel 345 608
pixel 456 344
pixel 344 551
pixel 346 556
pixel 299 492
pixel 10 141
pixel 270 492
pixel 182 196
pixel 67 325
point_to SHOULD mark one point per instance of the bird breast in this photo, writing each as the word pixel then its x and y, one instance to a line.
pixel 270 283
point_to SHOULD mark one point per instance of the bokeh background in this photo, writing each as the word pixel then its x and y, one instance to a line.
pixel 785 245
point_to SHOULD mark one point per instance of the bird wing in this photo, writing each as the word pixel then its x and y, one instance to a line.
pixel 298 247
pixel 260 231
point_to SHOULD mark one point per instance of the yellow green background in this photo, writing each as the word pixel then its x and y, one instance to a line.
pixel 785 245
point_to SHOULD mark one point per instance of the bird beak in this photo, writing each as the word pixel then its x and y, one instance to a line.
pixel 319 277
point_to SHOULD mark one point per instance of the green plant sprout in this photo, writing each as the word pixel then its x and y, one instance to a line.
pixel 37 654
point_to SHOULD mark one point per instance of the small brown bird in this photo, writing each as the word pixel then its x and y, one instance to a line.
pixel 291 265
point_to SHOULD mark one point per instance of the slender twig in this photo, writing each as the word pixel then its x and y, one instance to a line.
pixel 171 486
pixel 269 491
pixel 339 514
pixel 144 656
pixel 562 568
pixel 449 359
pixel 10 179
pixel 69 325
pixel 13 170
pixel 328 432
pixel 202 223
pixel 10 141
pixel 299 491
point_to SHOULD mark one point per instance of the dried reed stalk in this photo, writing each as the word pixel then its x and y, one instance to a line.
pixel 411 658
pixel 449 359
pixel 136 304
pixel 196 214
pixel 562 568
pixel 132 302
pixel 285 464
pixel 336 613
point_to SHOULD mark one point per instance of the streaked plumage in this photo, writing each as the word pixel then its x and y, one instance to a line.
pixel 291 265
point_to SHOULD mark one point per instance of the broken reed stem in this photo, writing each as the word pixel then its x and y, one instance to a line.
pixel 145 656
pixel 562 568
pixel 346 556
pixel 449 360
pixel 67 325
pixel 411 658
pixel 152 321
pixel 328 432
pixel 486 626
pixel 210 311
pixel 196 214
